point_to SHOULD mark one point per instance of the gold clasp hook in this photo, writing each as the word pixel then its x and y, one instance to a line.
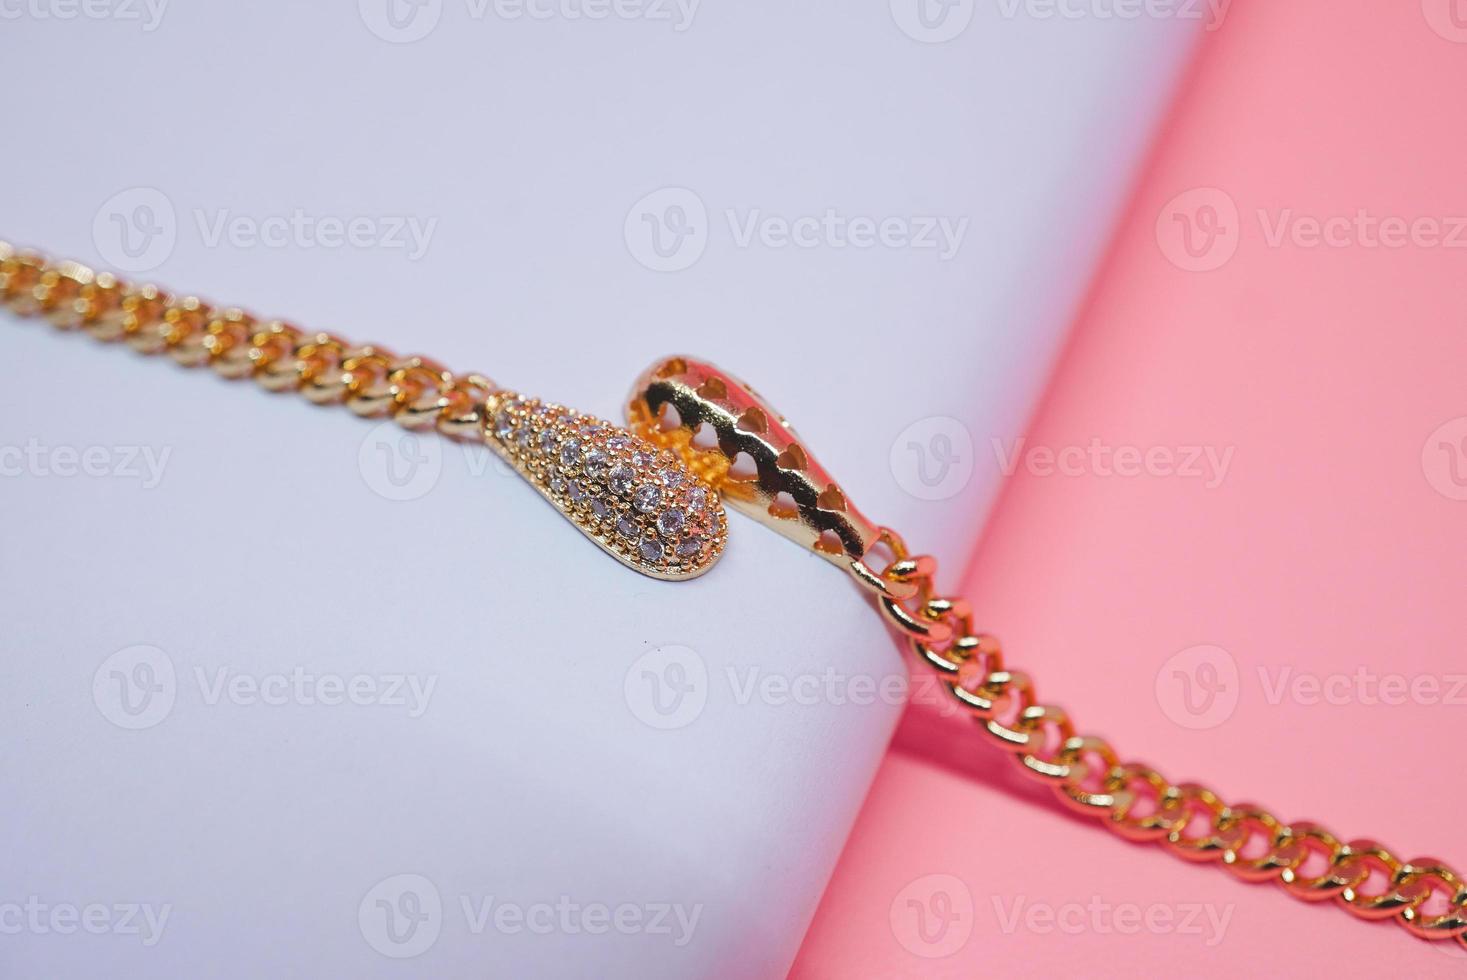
pixel 735 441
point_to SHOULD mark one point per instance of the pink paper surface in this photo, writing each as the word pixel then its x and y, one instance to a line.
pixel 1282 622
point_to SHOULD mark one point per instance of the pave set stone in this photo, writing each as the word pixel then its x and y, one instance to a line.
pixel 635 498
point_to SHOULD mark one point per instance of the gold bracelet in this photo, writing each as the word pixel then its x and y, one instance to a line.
pixel 651 495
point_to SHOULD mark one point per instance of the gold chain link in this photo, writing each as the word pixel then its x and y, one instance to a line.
pixel 1141 804
pixel 1084 771
pixel 369 380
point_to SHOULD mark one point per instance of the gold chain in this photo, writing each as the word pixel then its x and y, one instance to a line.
pixel 369 380
pixel 641 506
pixel 1084 771
pixel 1141 804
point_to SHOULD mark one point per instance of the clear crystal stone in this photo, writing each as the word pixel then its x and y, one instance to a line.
pixel 577 492
pixel 522 436
pixel 618 443
pixel 672 478
pixel 627 527
pixel 557 484
pixel 503 425
pixel 545 440
pixel 622 479
pixel 689 547
pixel 597 463
pixel 698 498
pixel 647 498
pixel 570 453
pixel 670 521
pixel 642 460
pixel 650 549
pixel 599 507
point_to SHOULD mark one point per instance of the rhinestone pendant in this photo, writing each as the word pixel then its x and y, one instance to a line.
pixel 635 500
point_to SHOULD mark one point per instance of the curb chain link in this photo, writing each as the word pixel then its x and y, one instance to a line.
pixel 370 381
pixel 1138 802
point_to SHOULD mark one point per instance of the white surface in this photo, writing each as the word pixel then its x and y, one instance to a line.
pixel 268 544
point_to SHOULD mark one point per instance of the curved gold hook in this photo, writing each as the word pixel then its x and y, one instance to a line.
pixel 730 437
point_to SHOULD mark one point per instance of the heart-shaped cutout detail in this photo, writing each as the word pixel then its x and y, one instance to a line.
pixel 713 389
pixel 831 499
pixel 793 458
pixel 753 421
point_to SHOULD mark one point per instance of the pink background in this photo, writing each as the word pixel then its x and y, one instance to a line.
pixel 1333 543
